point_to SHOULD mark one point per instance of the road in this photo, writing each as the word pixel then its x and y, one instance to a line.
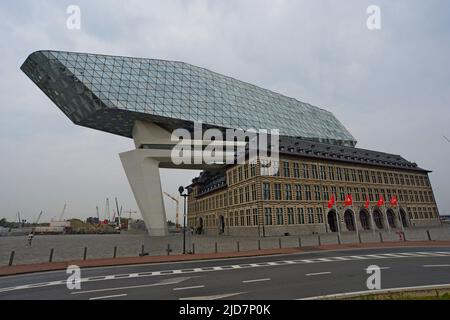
pixel 287 277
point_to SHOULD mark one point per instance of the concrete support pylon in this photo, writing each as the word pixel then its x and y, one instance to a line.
pixel 143 175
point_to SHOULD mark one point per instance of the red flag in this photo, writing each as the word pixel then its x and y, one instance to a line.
pixel 394 201
pixel 381 201
pixel 348 200
pixel 331 202
pixel 367 205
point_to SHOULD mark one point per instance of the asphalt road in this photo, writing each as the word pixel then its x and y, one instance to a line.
pixel 286 277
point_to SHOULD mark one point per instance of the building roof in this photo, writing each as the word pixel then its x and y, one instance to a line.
pixel 298 147
pixel 109 93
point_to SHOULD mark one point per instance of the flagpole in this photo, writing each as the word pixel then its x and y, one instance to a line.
pixel 387 220
pixel 400 217
pixel 354 220
pixel 338 220
pixel 372 219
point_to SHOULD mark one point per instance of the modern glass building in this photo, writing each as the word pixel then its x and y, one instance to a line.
pixel 109 93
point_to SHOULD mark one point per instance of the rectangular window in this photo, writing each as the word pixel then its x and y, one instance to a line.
pixel 247 194
pixel 300 216
pixel 268 216
pixel 319 215
pixel 253 192
pixel 315 173
pixel 326 195
pixel 317 193
pixel 305 171
pixel 310 216
pixel 248 217
pixel 253 169
pixel 246 172
pixel 308 193
pixel 255 217
pixel 353 173
pixel 346 174
pixel 360 176
pixel 298 192
pixel 323 173
pixel 266 191
pixel 357 195
pixel 342 193
pixel 339 174
pixel 287 170
pixel 277 190
pixel 331 173
pixel 288 192
pixel 296 170
pixel 366 176
pixel 280 217
pixel 290 215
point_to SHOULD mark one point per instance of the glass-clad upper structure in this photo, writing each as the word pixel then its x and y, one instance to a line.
pixel 109 93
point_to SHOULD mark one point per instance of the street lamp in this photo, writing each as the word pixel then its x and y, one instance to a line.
pixel 181 190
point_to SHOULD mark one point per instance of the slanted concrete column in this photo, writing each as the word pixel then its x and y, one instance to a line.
pixel 143 175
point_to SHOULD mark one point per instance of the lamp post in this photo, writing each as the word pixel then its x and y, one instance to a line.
pixel 184 194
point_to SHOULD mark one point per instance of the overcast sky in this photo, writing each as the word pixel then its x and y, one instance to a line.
pixel 390 88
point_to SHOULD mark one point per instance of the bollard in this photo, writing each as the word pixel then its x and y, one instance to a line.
pixel 193 248
pixel 115 252
pixel 237 244
pixel 339 239
pixel 50 258
pixel 215 248
pixel 11 258
pixel 279 242
pixel 381 237
pixel 168 249
pixel 85 253
pixel 359 238
pixel 299 242
pixel 429 235
pixel 142 250
pixel 319 240
pixel 259 244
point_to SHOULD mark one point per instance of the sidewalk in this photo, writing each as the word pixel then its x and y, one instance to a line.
pixel 30 268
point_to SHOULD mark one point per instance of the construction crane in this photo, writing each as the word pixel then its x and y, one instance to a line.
pixel 62 212
pixel 98 216
pixel 107 210
pixel 177 201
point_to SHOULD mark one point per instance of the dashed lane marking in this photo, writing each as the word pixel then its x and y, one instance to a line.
pixel 109 297
pixel 317 274
pixel 241 266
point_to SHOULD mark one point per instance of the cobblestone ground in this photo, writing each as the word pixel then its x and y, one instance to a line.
pixel 71 247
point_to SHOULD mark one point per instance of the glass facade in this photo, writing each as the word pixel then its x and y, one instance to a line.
pixel 109 93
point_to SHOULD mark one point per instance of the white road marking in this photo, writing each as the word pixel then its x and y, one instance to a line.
pixel 317 274
pixel 162 283
pixel 437 265
pixel 381 268
pixel 214 297
pixel 188 288
pixel 256 280
pixel 109 297
pixel 370 292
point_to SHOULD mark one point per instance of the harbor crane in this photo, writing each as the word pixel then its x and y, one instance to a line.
pixel 177 201
pixel 62 212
